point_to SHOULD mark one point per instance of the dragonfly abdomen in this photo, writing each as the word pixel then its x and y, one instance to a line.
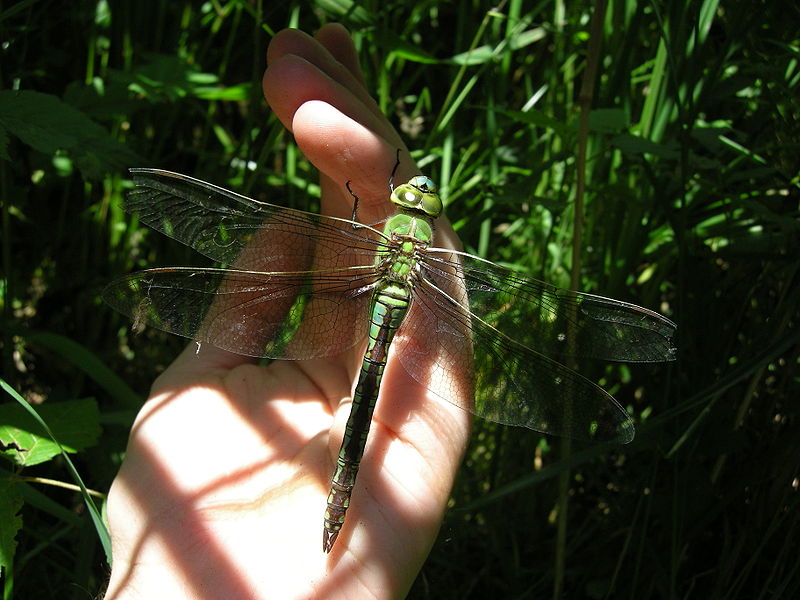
pixel 389 307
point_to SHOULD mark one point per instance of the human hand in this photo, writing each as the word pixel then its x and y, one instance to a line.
pixel 223 488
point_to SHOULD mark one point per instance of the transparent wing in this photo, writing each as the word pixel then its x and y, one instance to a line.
pixel 501 335
pixel 299 288
pixel 223 225
pixel 293 315
pixel 560 322
pixel 298 283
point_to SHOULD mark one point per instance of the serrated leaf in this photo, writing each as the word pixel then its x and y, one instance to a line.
pixel 10 520
pixel 74 423
pixel 48 125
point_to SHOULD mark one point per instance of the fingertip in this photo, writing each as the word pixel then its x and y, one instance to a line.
pixel 287 41
pixel 284 85
pixel 346 150
pixel 337 40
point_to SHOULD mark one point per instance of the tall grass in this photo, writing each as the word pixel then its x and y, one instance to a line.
pixel 689 166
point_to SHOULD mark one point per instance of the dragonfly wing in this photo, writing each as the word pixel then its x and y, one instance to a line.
pixel 487 339
pixel 222 224
pixel 558 322
pixel 298 283
pixel 292 315
pixel 466 361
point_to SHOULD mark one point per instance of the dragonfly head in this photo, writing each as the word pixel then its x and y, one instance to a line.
pixel 419 194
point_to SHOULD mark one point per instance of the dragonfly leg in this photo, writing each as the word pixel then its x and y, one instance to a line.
pixel 354 217
pixel 394 170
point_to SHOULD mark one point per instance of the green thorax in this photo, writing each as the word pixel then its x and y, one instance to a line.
pixel 411 228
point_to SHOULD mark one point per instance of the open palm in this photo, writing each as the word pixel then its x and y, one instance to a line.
pixel 222 491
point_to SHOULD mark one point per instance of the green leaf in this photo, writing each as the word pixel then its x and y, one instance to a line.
pixel 10 521
pixel 34 498
pixel 97 519
pixel 483 54
pixel 163 79
pixel 608 120
pixel 103 100
pixel 48 125
pixel 394 45
pixel 525 38
pixel 345 10
pixel 413 53
pixel 16 8
pixel 234 93
pixel 633 144
pixel 540 119
pixel 74 423
pixel 88 362
pixel 476 56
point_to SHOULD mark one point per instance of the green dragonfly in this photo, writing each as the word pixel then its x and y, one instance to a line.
pixel 298 285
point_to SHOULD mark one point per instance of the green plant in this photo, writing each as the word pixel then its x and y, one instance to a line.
pixel 689 182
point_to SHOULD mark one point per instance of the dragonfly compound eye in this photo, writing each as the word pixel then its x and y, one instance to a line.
pixel 423 184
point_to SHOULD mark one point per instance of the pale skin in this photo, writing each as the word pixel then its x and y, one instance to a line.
pixel 222 491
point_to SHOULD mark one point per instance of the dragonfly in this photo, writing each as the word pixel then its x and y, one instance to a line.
pixel 300 285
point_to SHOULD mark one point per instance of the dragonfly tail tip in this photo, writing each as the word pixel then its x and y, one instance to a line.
pixel 328 538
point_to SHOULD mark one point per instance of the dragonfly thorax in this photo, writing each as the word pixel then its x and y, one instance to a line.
pixel 401 258
pixel 419 195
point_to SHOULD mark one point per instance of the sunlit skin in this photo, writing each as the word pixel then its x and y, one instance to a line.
pixel 228 466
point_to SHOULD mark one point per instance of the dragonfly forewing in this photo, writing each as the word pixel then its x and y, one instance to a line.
pixel 231 228
pixel 559 322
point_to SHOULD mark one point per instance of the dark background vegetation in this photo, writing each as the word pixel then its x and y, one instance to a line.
pixel 690 208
